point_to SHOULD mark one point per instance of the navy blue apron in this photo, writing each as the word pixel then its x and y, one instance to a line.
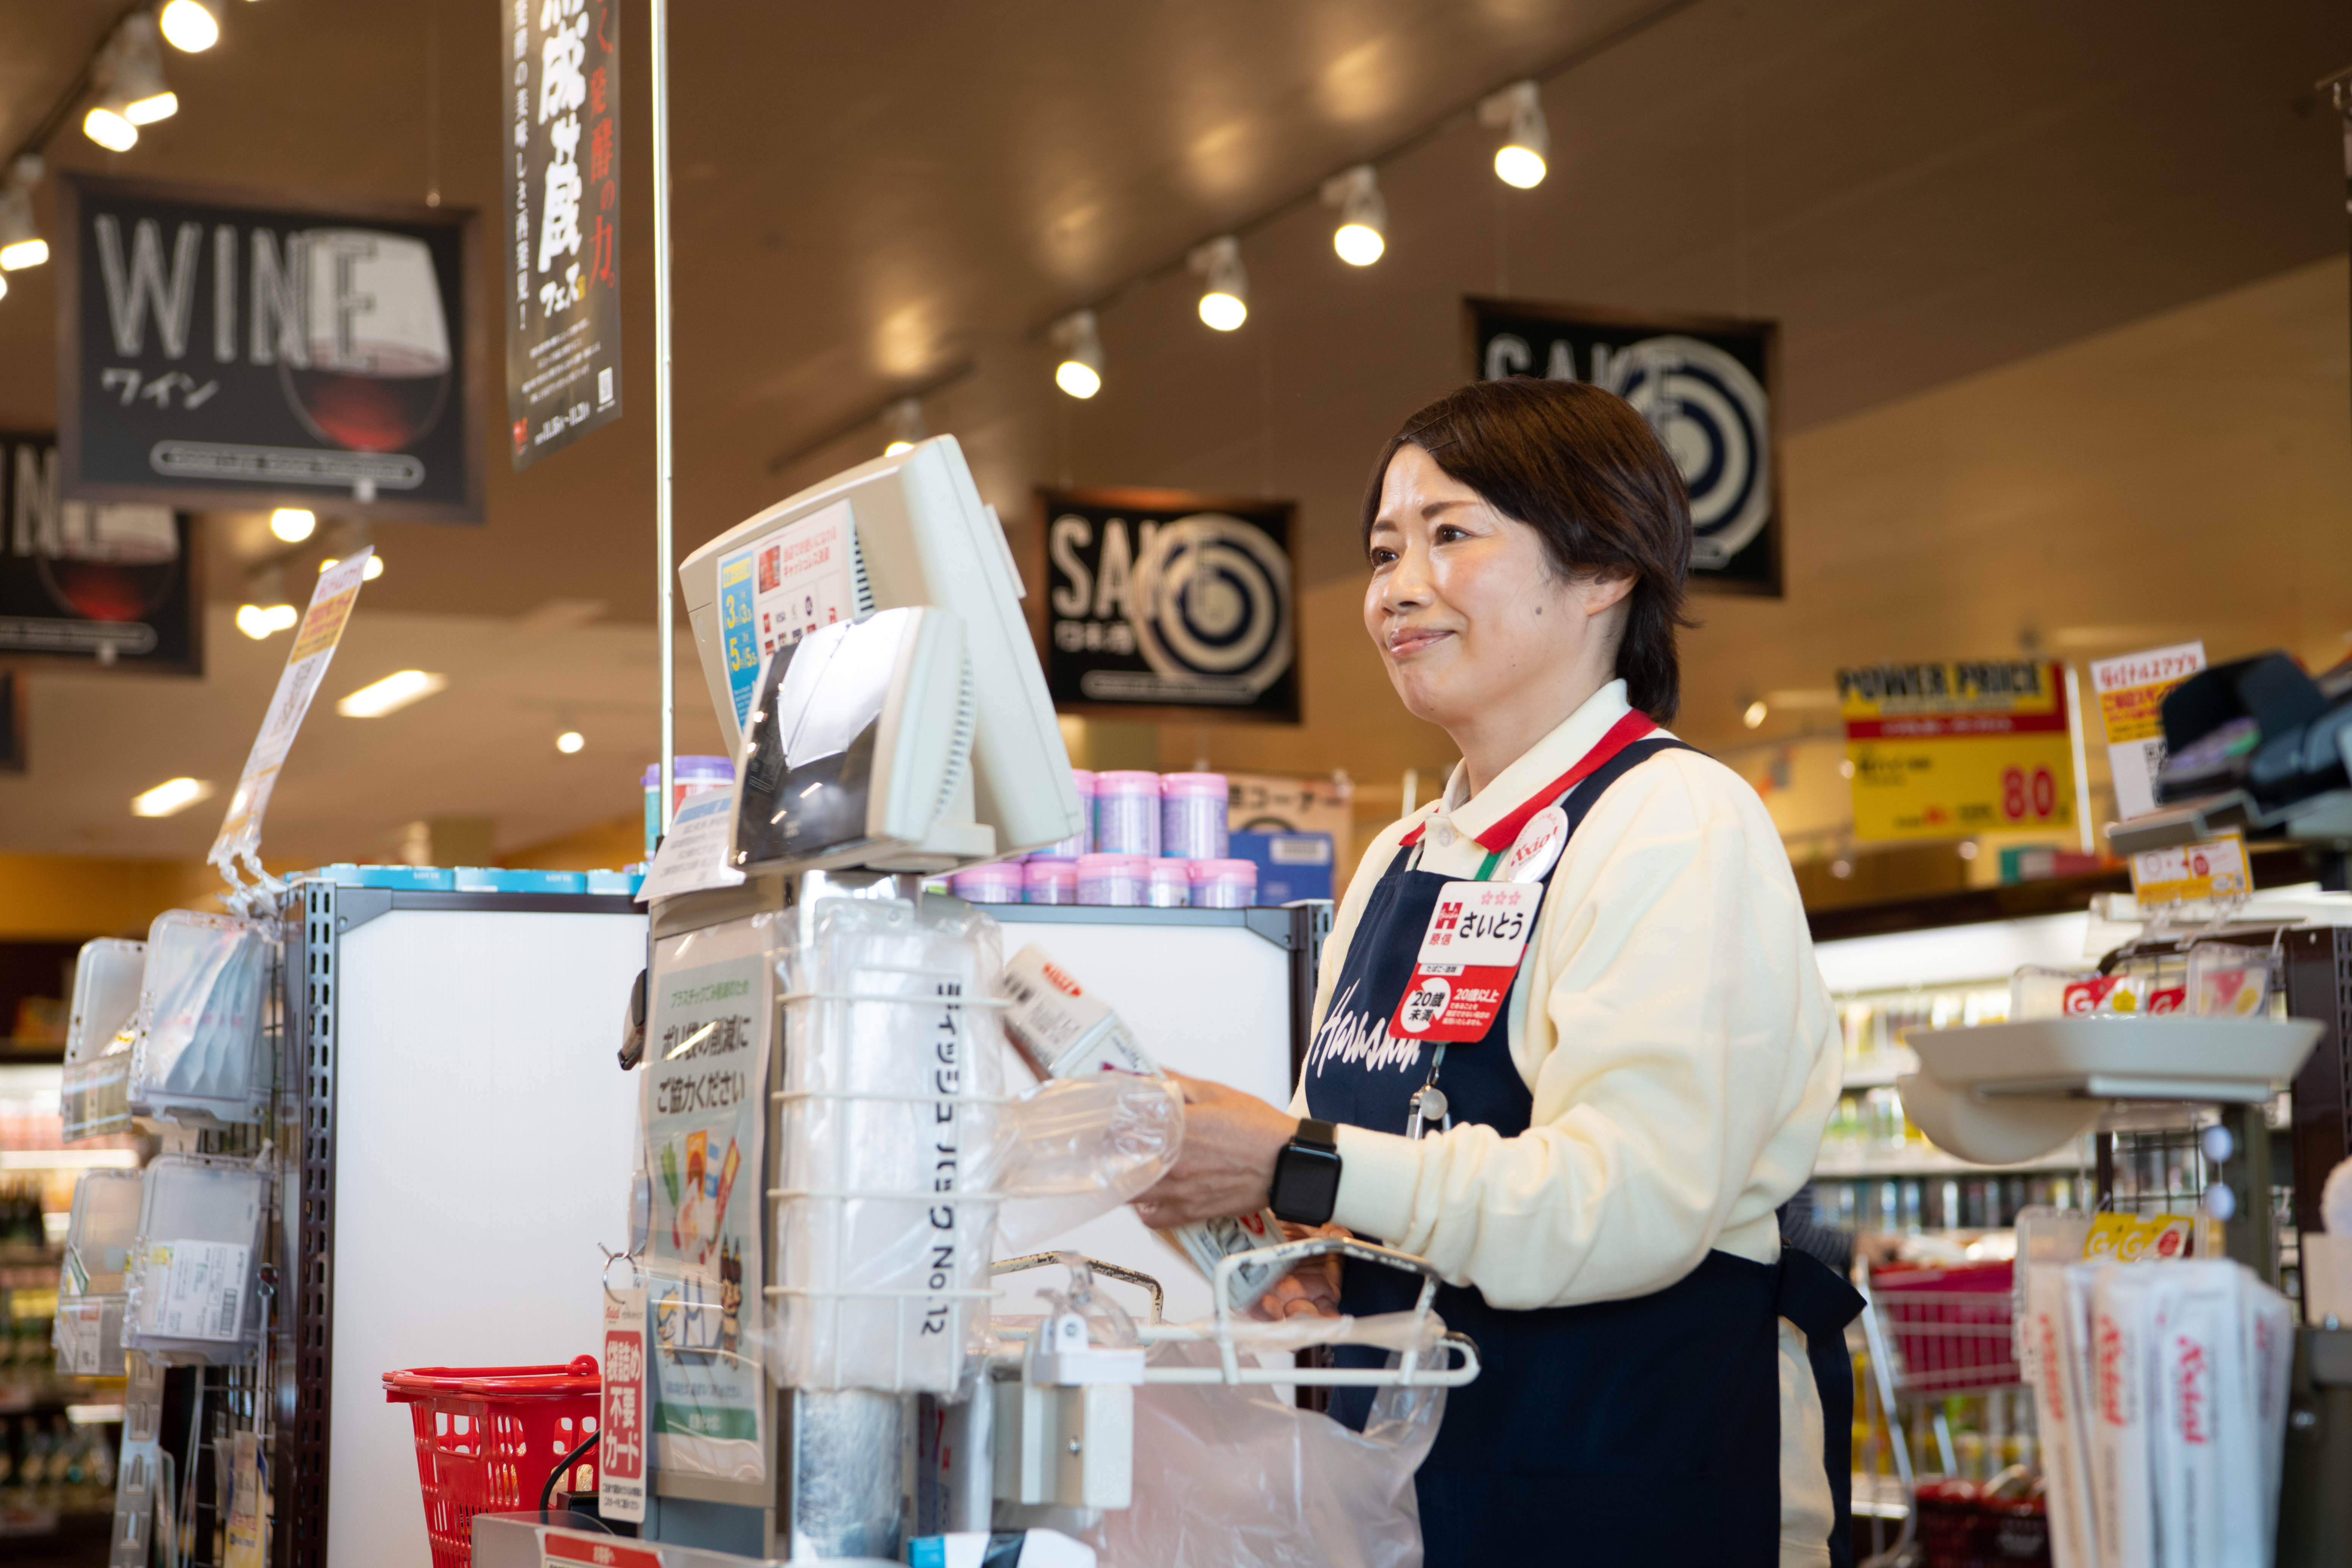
pixel 1643 1431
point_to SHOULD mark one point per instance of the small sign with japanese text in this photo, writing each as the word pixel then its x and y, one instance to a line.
pixel 560 239
pixel 2131 691
pixel 621 1419
pixel 2210 868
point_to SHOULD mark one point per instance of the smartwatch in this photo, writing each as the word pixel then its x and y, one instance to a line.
pixel 1306 1174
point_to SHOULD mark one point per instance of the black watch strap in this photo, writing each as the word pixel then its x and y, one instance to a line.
pixel 1316 1135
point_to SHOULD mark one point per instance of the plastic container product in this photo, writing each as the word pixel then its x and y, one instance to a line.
pixel 99 1238
pixel 191 1276
pixel 488 1436
pixel 1169 884
pixel 689 776
pixel 999 882
pixel 96 1086
pixel 1082 842
pixel 1224 884
pixel 1114 879
pixel 1047 881
pixel 1192 815
pixel 196 1054
pixel 1126 814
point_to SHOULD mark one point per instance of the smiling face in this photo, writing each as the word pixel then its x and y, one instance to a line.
pixel 1480 632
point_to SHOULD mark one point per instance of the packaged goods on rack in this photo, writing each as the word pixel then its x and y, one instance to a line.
pixel 893 1075
pixel 108 975
pixel 196 1055
pixel 191 1279
pixel 92 1283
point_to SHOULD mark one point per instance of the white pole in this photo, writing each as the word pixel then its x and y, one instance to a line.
pixel 664 587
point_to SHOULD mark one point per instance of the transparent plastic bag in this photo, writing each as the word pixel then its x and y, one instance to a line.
pixel 196 1054
pixel 2227 981
pixel 99 1238
pixel 1236 1477
pixel 1076 1148
pixel 892 1090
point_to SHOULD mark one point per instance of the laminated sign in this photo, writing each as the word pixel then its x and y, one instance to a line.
pixel 2131 693
pixel 560 173
pixel 220 352
pixel 83 584
pixel 1945 750
pixel 1157 603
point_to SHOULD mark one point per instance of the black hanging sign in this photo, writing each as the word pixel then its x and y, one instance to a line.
pixel 1157 604
pixel 218 350
pixel 561 171
pixel 1705 385
pixel 83 584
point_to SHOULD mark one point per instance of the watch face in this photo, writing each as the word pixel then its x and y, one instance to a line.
pixel 1306 1185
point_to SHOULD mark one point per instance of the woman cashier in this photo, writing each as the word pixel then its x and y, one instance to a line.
pixel 1570 1044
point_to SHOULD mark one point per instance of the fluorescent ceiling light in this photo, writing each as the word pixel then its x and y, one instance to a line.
pixel 170 796
pixel 390 695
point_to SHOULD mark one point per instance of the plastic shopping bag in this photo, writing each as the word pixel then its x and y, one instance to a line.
pixel 1236 1478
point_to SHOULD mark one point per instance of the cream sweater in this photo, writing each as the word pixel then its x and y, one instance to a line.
pixel 1683 1061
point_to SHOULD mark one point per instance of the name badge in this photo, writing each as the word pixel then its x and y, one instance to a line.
pixel 1468 956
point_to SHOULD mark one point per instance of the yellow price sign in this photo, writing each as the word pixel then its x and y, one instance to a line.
pixel 2210 868
pixel 1964 746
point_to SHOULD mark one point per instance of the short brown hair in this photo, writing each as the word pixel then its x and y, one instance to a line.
pixel 1580 466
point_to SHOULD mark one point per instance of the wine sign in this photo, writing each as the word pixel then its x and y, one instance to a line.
pixel 222 351
pixel 82 585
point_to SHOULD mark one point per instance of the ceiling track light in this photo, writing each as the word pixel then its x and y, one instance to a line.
pixel 906 422
pixel 21 244
pixel 1080 371
pixel 132 90
pixel 1527 141
pixel 1362 234
pixel 266 611
pixel 1224 299
pixel 192 26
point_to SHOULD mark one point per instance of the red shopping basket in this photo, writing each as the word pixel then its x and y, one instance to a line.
pixel 488 1436
pixel 1951 1327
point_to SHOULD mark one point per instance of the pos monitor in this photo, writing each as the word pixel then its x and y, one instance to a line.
pixel 916 740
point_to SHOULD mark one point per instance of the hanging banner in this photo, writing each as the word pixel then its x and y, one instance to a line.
pixel 1705 385
pixel 561 171
pixel 306 667
pixel 705 1116
pixel 1943 751
pixel 2131 693
pixel 223 351
pixel 83 584
pixel 1161 604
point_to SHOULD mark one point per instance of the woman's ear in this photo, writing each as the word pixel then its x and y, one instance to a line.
pixel 1606 588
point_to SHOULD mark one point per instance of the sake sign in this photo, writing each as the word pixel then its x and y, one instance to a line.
pixel 1964 746
pixel 227 352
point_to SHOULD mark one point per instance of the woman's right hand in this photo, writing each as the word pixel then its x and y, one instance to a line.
pixel 1311 1289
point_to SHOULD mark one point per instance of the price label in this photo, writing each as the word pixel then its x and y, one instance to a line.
pixel 621 1448
pixel 2210 868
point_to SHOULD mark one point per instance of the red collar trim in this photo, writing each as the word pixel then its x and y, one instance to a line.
pixel 1632 727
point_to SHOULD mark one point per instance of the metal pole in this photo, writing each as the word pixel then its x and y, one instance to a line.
pixel 664 587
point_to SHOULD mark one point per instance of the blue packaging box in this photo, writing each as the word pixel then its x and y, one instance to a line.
pixel 498 879
pixel 1290 865
pixel 424 879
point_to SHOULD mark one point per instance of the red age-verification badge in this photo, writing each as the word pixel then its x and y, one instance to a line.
pixel 1468 955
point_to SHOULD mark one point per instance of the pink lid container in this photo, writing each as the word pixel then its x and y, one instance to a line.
pixel 999 882
pixel 1224 884
pixel 1050 881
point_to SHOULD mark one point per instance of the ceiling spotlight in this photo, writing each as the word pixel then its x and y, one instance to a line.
pixel 906 427
pixel 21 244
pixel 293 523
pixel 374 567
pixel 132 90
pixel 1080 371
pixel 170 796
pixel 1225 302
pixel 571 741
pixel 266 611
pixel 391 694
pixel 191 25
pixel 1520 161
pixel 1757 713
pixel 350 539
pixel 1363 216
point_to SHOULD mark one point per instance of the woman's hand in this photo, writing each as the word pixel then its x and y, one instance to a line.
pixel 1226 1166
pixel 1309 1290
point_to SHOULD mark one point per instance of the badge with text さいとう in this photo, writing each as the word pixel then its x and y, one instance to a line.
pixel 1468 955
